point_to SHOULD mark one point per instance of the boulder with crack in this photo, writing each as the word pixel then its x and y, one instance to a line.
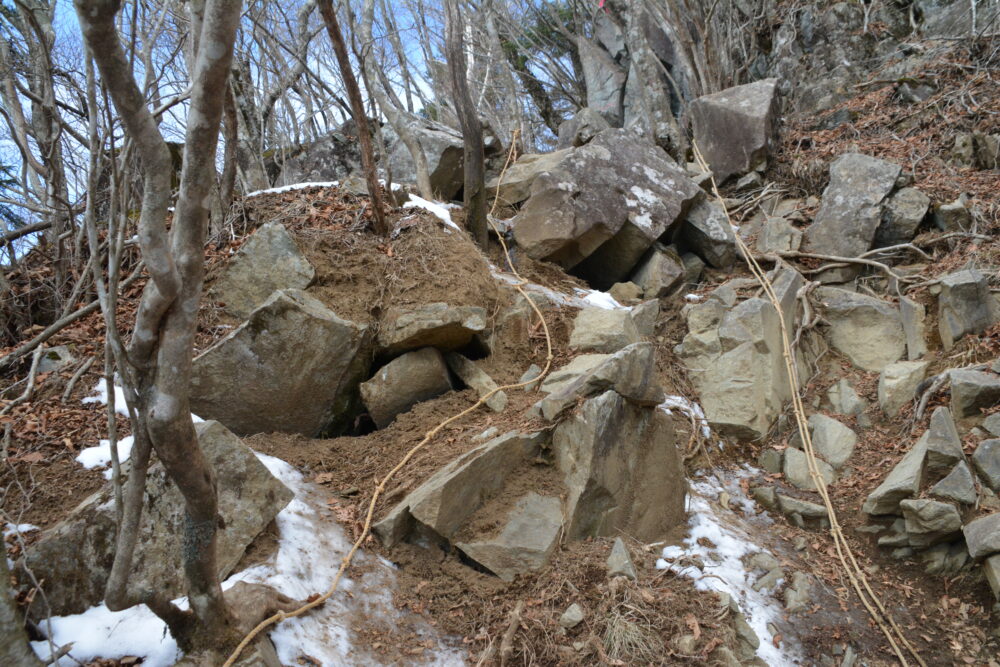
pixel 268 261
pixel 74 557
pixel 439 325
pixel 735 129
pixel 604 206
pixel 293 366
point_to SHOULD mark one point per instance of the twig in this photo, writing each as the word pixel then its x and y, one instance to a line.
pixel 76 378
pixel 507 643
pixel 31 383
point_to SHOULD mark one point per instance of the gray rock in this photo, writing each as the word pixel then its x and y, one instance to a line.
pixel 443 148
pixel 531 532
pixel 572 617
pixel 796 470
pixel 631 372
pixel 581 128
pixel 867 330
pixel 747 640
pixel 831 440
pixel 603 330
pixel 645 315
pixel 929 522
pixel 444 502
pixel 708 232
pixel 851 209
pixel 660 272
pixel 992 424
pixel 798 594
pixel 267 261
pixel 770 460
pixel 944 447
pixel 844 400
pixel 913 316
pixel 693 268
pixel 735 128
pixel 983 536
pixel 901 483
pixel 945 559
pixel 625 292
pixel 517 180
pixel 898 384
pixel 620 465
pixel 609 201
pixel 620 562
pixel 903 213
pixel 74 557
pixel 605 82
pixel 778 235
pixel 769 581
pixel 55 359
pixel 403 382
pixel 991 568
pixel 953 216
pixel 439 325
pixel 293 366
pixel 965 306
pixel 765 496
pixel 476 378
pixel 958 485
pixel 972 391
pixel 803 508
pixel 533 372
pixel 986 459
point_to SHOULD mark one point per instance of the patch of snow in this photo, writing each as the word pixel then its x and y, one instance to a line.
pixel 100 456
pixel 730 538
pixel 12 529
pixel 437 208
pixel 310 548
pixel 689 408
pixel 582 298
pixel 604 300
pixel 101 396
pixel 295 186
pixel 693 298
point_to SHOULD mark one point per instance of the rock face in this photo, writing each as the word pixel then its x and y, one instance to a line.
pixel 603 330
pixel 867 330
pixel 293 366
pixel 442 147
pixel 609 201
pixel 620 464
pixel 74 557
pixel 516 184
pixel 581 128
pixel 898 383
pixel 735 128
pixel 403 382
pixel 268 261
pixel 437 325
pixel 851 208
pixel 965 306
pixel 972 391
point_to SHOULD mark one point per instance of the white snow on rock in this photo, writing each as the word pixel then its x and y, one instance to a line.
pixel 437 208
pixel 100 456
pixel 294 186
pixel 582 298
pixel 310 547
pixel 15 529
pixel 731 536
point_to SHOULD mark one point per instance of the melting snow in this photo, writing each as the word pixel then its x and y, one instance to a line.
pixel 692 298
pixel 689 408
pixel 437 208
pixel 12 529
pixel 100 456
pixel 294 186
pixel 310 549
pixel 101 396
pixel 582 298
pixel 731 539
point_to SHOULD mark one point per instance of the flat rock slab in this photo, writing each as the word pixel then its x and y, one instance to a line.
pixel 986 459
pixel 402 383
pixel 958 485
pixel 901 483
pixel 851 208
pixel 293 366
pixel 868 331
pixel 439 325
pixel 603 330
pixel 897 385
pixel 268 261
pixel 74 557
pixel 735 128
pixel 476 378
pixel 971 391
pixel 929 522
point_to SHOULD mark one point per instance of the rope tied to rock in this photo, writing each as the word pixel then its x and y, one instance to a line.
pixel 428 436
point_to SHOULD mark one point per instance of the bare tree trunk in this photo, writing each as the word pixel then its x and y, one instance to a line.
pixel 472 129
pixel 14 649
pixel 158 382
pixel 358 111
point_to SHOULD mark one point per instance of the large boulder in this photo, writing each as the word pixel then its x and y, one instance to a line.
pixel 965 306
pixel 851 209
pixel 971 391
pixel 439 325
pixel 581 128
pixel 603 330
pixel 443 148
pixel 867 330
pixel 515 186
pixel 708 232
pixel 403 382
pixel 267 261
pixel 293 366
pixel 74 557
pixel 605 82
pixel 660 272
pixel 621 468
pixel 735 128
pixel 608 201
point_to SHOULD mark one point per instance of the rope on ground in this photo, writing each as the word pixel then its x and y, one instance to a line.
pixel 380 489
pixel 869 598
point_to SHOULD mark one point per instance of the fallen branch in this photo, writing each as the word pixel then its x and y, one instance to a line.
pixel 507 643
pixel 26 396
pixel 76 378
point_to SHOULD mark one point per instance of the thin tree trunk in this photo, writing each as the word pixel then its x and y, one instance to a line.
pixel 472 129
pixel 358 111
pixel 14 649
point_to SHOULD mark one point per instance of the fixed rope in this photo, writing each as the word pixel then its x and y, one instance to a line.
pixel 859 581
pixel 380 489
